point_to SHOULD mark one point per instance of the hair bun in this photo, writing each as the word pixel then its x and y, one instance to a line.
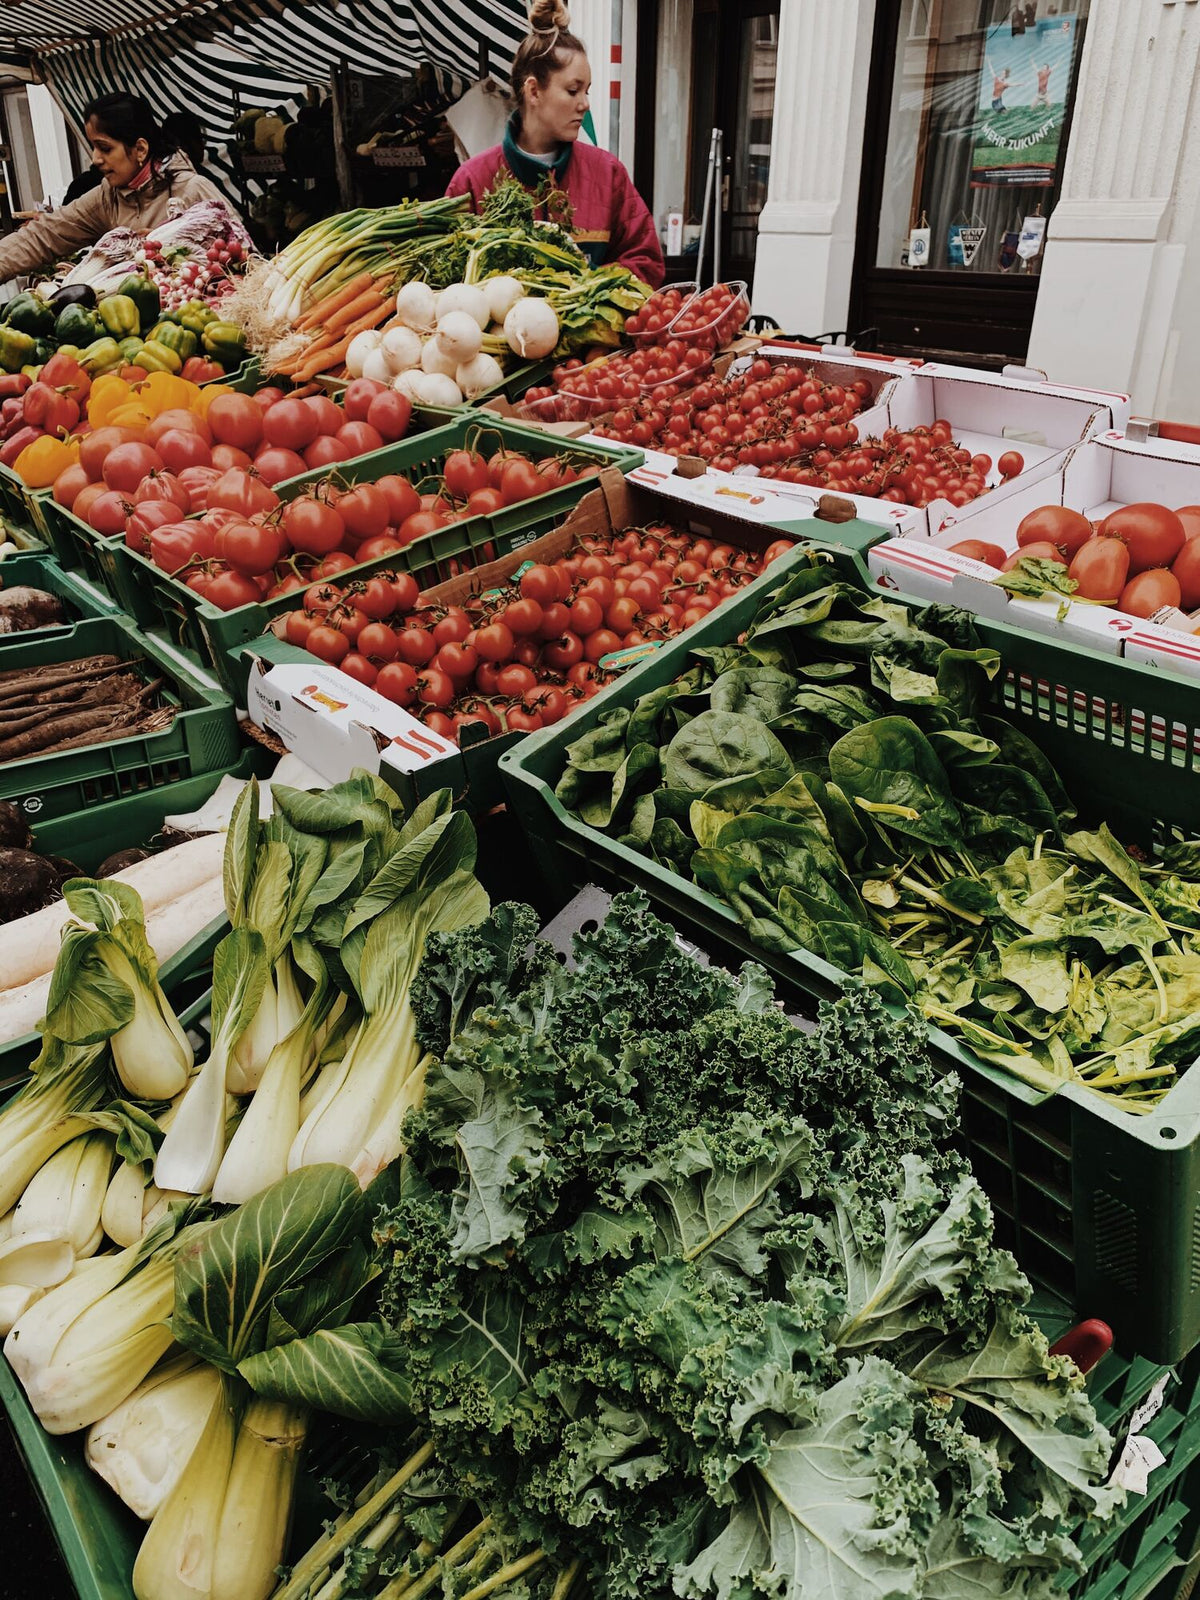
pixel 547 15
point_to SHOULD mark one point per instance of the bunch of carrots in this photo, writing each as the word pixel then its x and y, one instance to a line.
pixel 359 305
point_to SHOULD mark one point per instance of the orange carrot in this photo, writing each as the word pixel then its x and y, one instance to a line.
pixel 369 301
pixel 334 302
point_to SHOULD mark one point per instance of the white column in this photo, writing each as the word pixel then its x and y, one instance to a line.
pixel 1114 304
pixel 51 141
pixel 807 229
pixel 591 21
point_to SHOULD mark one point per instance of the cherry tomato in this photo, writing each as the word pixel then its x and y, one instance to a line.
pixel 556 619
pixel 515 679
pixel 521 721
pixel 453 628
pixel 457 661
pixel 601 643
pixel 495 643
pixel 378 642
pixel 397 681
pixel 564 652
pixel 435 688
pixel 415 646
pixel 523 618
pixel 1010 463
pixel 540 583
pixel 404 590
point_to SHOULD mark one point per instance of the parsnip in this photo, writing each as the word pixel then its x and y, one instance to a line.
pixel 29 946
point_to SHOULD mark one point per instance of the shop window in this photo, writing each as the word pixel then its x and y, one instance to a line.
pixel 980 118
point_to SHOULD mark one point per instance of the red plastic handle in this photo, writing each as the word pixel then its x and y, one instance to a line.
pixel 1085 1343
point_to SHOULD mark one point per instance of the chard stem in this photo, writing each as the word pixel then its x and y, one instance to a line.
pixel 505 1574
pixel 320 1555
pixel 565 1580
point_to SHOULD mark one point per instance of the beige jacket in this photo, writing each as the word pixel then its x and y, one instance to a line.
pixel 48 238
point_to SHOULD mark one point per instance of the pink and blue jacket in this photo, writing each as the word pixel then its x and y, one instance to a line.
pixel 611 224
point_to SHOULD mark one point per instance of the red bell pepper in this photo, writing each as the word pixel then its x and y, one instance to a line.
pixel 13 384
pixel 64 372
pixel 16 443
pixel 47 409
pixel 12 417
pixel 176 544
pixel 198 369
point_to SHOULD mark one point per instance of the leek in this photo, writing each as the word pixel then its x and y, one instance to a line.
pixel 105 987
pixel 141 1448
pixel 87 1344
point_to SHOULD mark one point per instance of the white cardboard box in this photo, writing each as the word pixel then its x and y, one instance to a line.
pixel 1095 478
pixel 335 724
pixel 1119 405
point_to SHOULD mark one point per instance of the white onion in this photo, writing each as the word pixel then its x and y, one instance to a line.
pixel 376 366
pixel 459 336
pixel 502 294
pixel 435 359
pixel 361 347
pixel 438 390
pixel 464 297
pixel 481 372
pixel 415 306
pixel 531 328
pixel 402 348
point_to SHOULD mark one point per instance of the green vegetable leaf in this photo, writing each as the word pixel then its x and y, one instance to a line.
pixel 355 1371
pixel 726 759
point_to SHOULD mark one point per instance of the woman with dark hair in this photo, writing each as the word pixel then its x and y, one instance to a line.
pixel 551 80
pixel 144 182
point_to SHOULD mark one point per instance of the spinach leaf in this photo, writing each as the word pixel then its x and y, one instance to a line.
pixel 726 758
pixel 891 771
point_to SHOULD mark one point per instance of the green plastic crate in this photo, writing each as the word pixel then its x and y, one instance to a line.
pixel 158 601
pixel 1100 1205
pixel 79 548
pixel 203 737
pixel 80 599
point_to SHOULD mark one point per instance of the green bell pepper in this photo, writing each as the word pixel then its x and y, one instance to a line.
pixel 77 325
pixel 182 340
pixel 195 316
pixel 226 343
pixel 129 347
pixel 42 351
pixel 155 357
pixel 73 350
pixel 16 349
pixel 29 313
pixel 101 357
pixel 119 315
pixel 145 297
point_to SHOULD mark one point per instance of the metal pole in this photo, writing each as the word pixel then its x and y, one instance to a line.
pixel 617 68
pixel 719 222
pixel 704 216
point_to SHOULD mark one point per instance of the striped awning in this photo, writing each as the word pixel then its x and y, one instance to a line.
pixel 199 56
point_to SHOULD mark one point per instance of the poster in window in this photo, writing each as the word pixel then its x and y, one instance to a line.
pixel 1022 110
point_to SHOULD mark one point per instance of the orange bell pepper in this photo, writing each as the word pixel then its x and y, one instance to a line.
pixel 163 391
pixel 41 462
pixel 133 414
pixel 106 395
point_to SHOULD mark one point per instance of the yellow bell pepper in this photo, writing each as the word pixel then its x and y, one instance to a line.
pixel 206 396
pixel 131 415
pixel 107 394
pixel 164 391
pixel 41 462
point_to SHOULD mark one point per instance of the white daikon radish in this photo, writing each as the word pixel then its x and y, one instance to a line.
pixel 464 297
pixel 480 373
pixel 402 349
pixel 439 390
pixel 502 294
pixel 416 306
pixel 168 930
pixel 361 347
pixel 435 359
pixel 29 946
pixel 531 328
pixel 459 336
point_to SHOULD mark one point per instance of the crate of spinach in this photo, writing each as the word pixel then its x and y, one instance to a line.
pixel 991 828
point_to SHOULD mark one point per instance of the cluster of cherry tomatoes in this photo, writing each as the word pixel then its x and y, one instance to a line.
pixel 521 659
pixel 1139 559
pixel 708 320
pixel 577 392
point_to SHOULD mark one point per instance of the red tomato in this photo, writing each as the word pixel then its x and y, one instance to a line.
pixel 94 450
pixel 69 483
pixel 328 413
pixel 495 643
pixel 420 524
pixel 242 490
pixel 519 480
pixel 264 399
pixel 1101 569
pixel 515 679
pixel 225 456
pixel 360 438
pixel 327 644
pixel 404 589
pixel 415 645
pixel 402 499
pixel 977 550
pixel 1010 463
pixel 313 526
pixel 397 681
pixel 374 596
pixel 358 396
pixel 438 722
pixel 601 643
pixel 464 472
pixel 390 414
pixel 1154 534
pixel 325 451
pixel 1055 525
pixel 563 653
pixel 1186 567
pixel 484 502
pixel 149 515
pixel 290 423
pixel 357 666
pixel 173 420
pixel 435 688
pixel 1190 517
pixel 298 627
pixel 453 628
pixel 180 448
pixel 378 642
pixel 1149 591
pixel 273 465
pixel 556 619
pixel 229 590
pixel 162 486
pixel 198 481
pixel 249 547
pixel 587 614
pixel 521 721
pixel 1041 551
pixel 540 583
pixel 235 419
pixel 364 510
pixel 523 618
pixel 126 465
pixel 108 512
pixel 458 661
pixel 334 564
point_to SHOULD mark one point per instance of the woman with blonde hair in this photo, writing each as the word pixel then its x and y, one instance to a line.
pixel 551 80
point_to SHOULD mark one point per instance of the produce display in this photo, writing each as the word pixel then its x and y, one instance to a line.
pixel 522 659
pixel 250 545
pixel 194 256
pixel 376 272
pixel 841 781
pixel 24 609
pixel 741 1311
pixel 61 706
pixel 28 879
pixel 1140 559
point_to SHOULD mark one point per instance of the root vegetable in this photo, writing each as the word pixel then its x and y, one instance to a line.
pixel 22 609
pixel 464 297
pixel 502 294
pixel 435 359
pixel 531 328
pixel 481 372
pixel 416 306
pixel 27 883
pixel 361 347
pixel 440 390
pixel 459 337
pixel 402 349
